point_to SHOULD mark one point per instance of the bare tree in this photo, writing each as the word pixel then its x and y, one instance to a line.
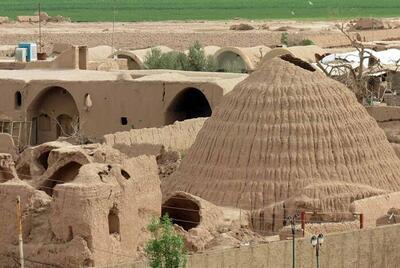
pixel 358 78
pixel 75 132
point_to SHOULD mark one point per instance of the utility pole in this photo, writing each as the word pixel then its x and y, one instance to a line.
pixel 292 221
pixel 113 29
pixel 19 229
pixel 40 28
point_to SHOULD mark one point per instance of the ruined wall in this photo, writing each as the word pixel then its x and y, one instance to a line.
pixel 82 205
pixel 365 248
pixel 179 137
pixel 7 145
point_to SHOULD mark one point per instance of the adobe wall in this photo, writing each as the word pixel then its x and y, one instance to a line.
pixel 375 207
pixel 143 103
pixel 68 59
pixel 178 137
pixel 374 248
pixel 384 113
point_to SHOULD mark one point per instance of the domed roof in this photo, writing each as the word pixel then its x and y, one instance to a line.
pixel 287 132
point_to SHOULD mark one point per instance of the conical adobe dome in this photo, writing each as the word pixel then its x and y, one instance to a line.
pixel 285 133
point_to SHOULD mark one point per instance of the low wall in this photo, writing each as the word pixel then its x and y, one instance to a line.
pixel 373 248
pixel 375 207
pixel 384 113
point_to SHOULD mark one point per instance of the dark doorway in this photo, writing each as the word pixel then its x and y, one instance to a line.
pixel 188 104
pixel 182 211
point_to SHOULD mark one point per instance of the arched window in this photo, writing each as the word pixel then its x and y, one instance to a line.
pixel 18 99
pixel 113 222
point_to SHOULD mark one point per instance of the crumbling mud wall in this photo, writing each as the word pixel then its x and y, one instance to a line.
pixel 7 145
pixel 82 205
pixel 177 137
pixel 7 168
pixel 169 144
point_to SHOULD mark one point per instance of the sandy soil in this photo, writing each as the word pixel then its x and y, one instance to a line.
pixel 179 35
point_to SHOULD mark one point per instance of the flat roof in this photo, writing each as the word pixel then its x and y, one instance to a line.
pixel 28 75
pixel 62 75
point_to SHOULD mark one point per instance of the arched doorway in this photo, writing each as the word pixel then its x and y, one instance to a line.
pixel 188 104
pixel 183 211
pixel 53 114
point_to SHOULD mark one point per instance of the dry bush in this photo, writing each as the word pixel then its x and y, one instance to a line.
pixel 241 27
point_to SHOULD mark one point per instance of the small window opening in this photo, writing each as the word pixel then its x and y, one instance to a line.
pixel 125 174
pixel 124 121
pixel 43 159
pixel 18 99
pixel 70 233
pixel 113 222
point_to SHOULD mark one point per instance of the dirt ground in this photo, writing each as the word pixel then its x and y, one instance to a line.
pixel 179 35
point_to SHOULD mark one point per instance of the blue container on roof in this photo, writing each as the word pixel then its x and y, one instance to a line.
pixel 31 50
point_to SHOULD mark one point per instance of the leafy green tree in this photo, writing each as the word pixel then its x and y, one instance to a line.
pixel 166 249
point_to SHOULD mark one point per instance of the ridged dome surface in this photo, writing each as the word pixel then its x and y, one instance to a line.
pixel 285 133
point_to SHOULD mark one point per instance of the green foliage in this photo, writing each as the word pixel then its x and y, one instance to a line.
pixel 211 65
pixel 182 62
pixel 197 57
pixel 166 249
pixel 290 42
pixel 153 59
pixel 307 42
pixel 158 10
pixel 235 66
pixel 196 60
pixel 285 39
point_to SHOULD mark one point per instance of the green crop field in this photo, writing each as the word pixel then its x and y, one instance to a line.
pixel 156 10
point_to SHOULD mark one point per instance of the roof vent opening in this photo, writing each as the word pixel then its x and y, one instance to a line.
pixel 298 62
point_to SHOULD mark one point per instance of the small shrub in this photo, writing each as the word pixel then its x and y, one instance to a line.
pixel 241 27
pixel 285 39
pixel 235 66
pixel 196 60
pixel 212 64
pixel 182 61
pixel 153 59
pixel 307 42
pixel 197 57
pixel 166 249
